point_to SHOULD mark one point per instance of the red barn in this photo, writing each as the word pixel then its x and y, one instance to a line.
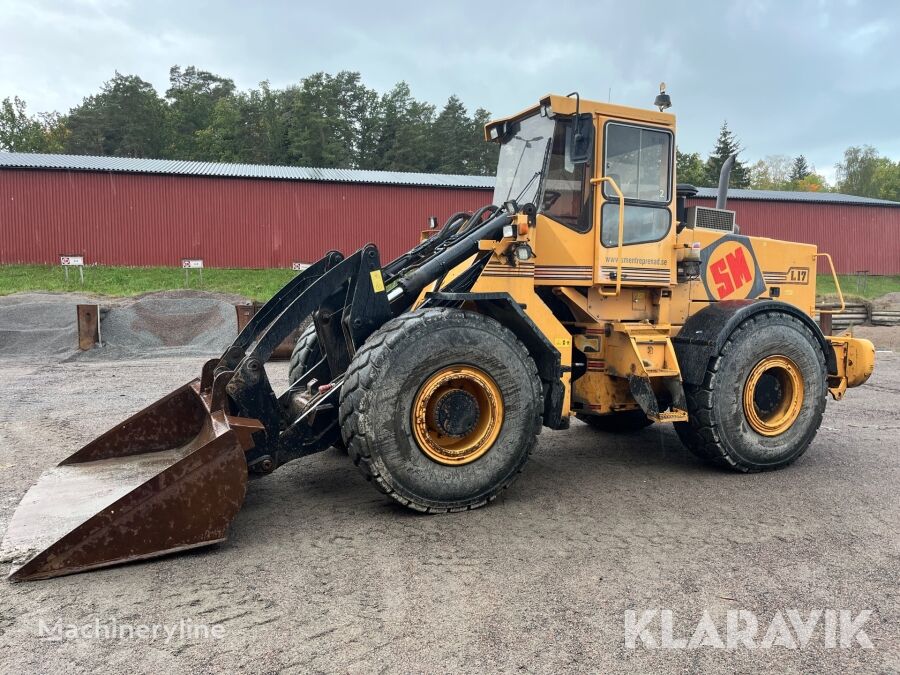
pixel 860 233
pixel 120 211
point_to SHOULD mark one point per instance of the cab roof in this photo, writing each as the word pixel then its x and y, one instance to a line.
pixel 557 104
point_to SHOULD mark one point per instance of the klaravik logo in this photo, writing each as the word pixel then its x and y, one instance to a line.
pixel 731 270
pixel 742 629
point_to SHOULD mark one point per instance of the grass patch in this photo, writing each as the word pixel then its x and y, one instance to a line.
pixel 262 284
pixel 128 281
pixel 867 288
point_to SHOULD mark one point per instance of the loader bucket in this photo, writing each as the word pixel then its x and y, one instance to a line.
pixel 170 478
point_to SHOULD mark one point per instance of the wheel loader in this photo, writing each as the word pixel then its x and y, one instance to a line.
pixel 587 288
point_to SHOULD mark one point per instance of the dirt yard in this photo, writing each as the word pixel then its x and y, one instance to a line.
pixel 323 574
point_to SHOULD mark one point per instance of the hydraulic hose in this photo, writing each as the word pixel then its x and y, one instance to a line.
pixel 451 227
pixel 476 217
pixel 413 282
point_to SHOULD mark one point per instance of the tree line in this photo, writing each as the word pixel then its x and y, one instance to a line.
pixel 336 121
pixel 862 171
pixel 323 121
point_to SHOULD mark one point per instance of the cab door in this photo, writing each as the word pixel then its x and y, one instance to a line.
pixel 639 157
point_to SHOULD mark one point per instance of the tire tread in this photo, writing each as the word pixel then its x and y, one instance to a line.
pixel 700 433
pixel 361 380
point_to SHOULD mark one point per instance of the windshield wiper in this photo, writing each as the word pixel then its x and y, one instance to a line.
pixel 526 144
pixel 537 174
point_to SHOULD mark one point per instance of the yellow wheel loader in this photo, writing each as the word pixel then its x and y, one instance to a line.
pixel 586 288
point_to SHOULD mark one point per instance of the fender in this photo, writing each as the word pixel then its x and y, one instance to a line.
pixel 502 308
pixel 704 333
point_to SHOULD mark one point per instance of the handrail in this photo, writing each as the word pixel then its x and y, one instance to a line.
pixel 837 285
pixel 597 181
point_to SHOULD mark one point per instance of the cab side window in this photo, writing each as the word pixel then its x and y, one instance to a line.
pixel 639 160
pixel 567 193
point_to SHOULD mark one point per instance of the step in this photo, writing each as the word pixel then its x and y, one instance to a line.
pixel 671 415
pixel 661 372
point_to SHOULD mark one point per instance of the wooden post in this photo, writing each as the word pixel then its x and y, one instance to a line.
pixel 825 322
pixel 244 314
pixel 88 326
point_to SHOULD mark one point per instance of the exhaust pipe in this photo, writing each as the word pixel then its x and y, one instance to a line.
pixel 724 176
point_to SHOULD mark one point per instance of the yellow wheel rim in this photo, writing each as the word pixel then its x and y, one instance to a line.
pixel 773 395
pixel 457 415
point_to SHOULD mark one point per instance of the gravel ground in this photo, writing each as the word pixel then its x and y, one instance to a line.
pixel 321 573
pixel 883 337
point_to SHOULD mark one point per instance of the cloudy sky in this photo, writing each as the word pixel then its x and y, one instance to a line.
pixel 791 77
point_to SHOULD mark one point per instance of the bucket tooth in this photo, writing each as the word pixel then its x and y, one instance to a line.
pixel 168 479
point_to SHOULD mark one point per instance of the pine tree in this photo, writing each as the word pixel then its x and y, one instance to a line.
pixel 191 97
pixel 328 115
pixel 126 119
pixel 484 154
pixel 726 145
pixel 401 127
pixel 323 121
pixel 689 168
pixel 223 139
pixel 451 137
pixel 799 169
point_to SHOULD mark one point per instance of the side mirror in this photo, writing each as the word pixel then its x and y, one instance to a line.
pixel 581 140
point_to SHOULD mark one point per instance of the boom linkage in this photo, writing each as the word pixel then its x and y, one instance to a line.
pixel 346 300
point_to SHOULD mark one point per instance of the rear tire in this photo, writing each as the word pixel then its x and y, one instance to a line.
pixel 617 423
pixel 762 397
pixel 306 354
pixel 392 376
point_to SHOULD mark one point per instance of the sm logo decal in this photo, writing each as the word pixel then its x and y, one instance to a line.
pixel 732 272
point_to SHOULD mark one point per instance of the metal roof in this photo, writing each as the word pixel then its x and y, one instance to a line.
pixel 173 167
pixel 785 196
pixel 170 167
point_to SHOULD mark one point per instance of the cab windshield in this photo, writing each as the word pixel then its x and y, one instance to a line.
pixel 536 167
pixel 522 157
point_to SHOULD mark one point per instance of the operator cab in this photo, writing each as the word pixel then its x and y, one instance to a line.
pixel 564 155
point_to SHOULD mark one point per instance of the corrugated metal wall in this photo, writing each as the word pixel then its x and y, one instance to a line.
pixel 118 219
pixel 857 237
pixel 125 219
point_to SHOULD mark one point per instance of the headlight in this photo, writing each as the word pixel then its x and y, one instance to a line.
pixel 508 231
pixel 524 252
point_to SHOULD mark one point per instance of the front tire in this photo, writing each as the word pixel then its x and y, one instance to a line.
pixel 441 409
pixel 762 397
pixel 305 355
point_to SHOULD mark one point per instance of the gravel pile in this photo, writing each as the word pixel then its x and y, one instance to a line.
pixel 171 322
pixel 890 301
pixel 37 324
pixel 190 322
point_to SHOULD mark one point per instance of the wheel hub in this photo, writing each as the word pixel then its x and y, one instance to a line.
pixel 457 415
pixel 773 395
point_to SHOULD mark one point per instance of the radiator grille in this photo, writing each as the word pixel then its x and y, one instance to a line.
pixel 710 219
